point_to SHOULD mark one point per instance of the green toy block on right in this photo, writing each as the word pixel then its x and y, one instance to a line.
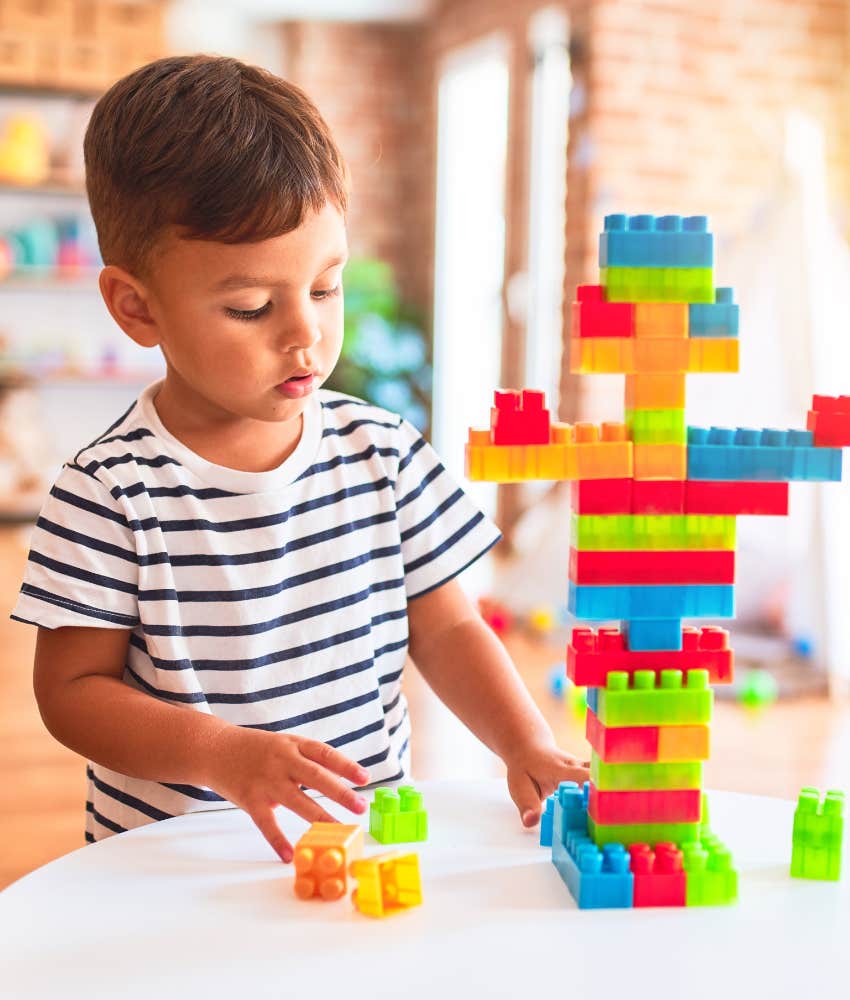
pixel 398 817
pixel 818 835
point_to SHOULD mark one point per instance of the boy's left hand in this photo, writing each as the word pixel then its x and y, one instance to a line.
pixel 535 771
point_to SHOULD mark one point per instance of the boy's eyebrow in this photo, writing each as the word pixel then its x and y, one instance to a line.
pixel 234 281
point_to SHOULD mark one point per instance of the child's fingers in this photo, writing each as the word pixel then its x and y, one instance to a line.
pixel 332 760
pixel 305 807
pixel 266 823
pixel 313 776
pixel 526 795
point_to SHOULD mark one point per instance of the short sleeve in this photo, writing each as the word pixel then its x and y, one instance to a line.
pixel 442 530
pixel 83 567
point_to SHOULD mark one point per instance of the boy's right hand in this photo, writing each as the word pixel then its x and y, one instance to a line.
pixel 257 771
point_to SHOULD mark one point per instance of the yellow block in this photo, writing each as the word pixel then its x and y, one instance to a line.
pixel 658 391
pixel 322 857
pixel 631 355
pixel 661 319
pixel 386 883
pixel 714 354
pixel 661 461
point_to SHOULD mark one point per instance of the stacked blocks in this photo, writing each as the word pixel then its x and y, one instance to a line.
pixel 322 857
pixel 818 835
pixel 652 541
pixel 398 817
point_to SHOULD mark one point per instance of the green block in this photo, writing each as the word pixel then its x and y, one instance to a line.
pixel 657 284
pixel 617 532
pixel 644 777
pixel 671 700
pixel 711 879
pixel 642 833
pixel 657 426
pixel 818 835
pixel 398 818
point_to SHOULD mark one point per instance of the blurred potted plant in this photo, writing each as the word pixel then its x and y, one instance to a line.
pixel 386 353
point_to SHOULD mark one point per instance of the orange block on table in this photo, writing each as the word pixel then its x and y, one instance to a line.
pixel 322 857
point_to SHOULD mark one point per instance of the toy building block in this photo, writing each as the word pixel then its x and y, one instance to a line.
pixel 648 241
pixel 680 805
pixel 659 875
pixel 322 857
pixel 653 634
pixel 601 496
pixel 660 461
pixel 658 496
pixel 609 777
pixel 655 391
pixel 609 603
pixel 594 317
pixel 398 817
pixel 720 354
pixel 714 319
pixel 760 455
pixel 711 877
pixel 657 284
pixel 636 567
pixel 546 820
pixel 647 744
pixel 670 699
pixel 630 356
pixel 617 532
pixel 818 835
pixel 829 421
pixel 660 319
pixel 657 426
pixel 642 833
pixel 707 497
pixel 386 883
pixel 519 418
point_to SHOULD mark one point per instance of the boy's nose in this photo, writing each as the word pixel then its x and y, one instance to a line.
pixel 299 333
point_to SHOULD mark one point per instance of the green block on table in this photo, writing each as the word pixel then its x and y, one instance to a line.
pixel 644 777
pixel 711 879
pixel 397 817
pixel 642 833
pixel 657 426
pixel 657 284
pixel 672 699
pixel 818 835
pixel 615 532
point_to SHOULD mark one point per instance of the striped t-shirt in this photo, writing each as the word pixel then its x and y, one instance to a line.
pixel 275 600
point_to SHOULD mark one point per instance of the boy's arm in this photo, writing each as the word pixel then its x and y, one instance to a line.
pixel 85 704
pixel 470 671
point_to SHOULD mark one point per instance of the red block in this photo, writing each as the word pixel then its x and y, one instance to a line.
pixel 594 317
pixel 829 419
pixel 681 805
pixel 658 496
pixel 601 496
pixel 591 656
pixel 637 567
pixel 647 744
pixel 519 419
pixel 659 876
pixel 735 498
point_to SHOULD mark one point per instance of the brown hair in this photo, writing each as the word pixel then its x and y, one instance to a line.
pixel 223 150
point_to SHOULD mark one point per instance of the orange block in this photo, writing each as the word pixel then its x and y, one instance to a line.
pixel 661 319
pixel 633 355
pixel 682 743
pixel 655 391
pixel 322 857
pixel 661 461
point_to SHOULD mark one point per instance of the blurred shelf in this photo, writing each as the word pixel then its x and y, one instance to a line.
pixel 17 377
pixel 52 188
pixel 59 279
pixel 45 90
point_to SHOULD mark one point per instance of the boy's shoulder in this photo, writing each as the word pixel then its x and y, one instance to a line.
pixel 126 439
pixel 347 414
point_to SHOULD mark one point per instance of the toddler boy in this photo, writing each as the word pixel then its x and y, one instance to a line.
pixel 228 580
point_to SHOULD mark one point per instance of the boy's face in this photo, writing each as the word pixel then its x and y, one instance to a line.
pixel 250 330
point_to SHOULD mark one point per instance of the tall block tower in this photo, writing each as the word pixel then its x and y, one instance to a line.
pixel 654 508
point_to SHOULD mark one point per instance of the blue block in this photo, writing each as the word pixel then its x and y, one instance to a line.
pixel 714 319
pixel 597 879
pixel 610 603
pixel 766 455
pixel 546 822
pixel 654 633
pixel 593 699
pixel 650 241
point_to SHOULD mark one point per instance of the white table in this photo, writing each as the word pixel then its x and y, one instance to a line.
pixel 197 907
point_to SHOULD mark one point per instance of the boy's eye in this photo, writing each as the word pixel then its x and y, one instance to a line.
pixel 247 314
pixel 327 292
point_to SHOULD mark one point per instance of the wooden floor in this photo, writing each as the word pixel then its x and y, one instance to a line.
pixel 42 786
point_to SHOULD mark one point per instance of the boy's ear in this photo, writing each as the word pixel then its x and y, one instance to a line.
pixel 126 299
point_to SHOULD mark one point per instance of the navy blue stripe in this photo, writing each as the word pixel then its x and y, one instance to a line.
pixel 109 429
pixel 319 713
pixel 447 504
pixel 333 404
pixel 379 758
pixel 128 800
pixel 357 734
pixel 454 573
pixel 78 538
pixel 416 447
pixel 444 546
pixel 81 503
pixel 389 678
pixel 353 425
pixel 178 697
pixel 157 462
pixel 98 579
pixel 83 609
pixel 424 483
pixel 358 456
pixel 394 729
pixel 192 792
pixel 136 435
pixel 392 704
pixel 207 493
pixel 90 838
pixel 104 821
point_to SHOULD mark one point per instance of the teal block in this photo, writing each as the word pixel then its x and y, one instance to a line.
pixel 617 602
pixel 714 319
pixel 766 455
pixel 647 241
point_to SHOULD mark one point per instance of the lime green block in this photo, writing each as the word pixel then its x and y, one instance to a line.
pixel 657 284
pixel 642 833
pixel 711 879
pixel 657 426
pixel 817 835
pixel 643 777
pixel 672 700
pixel 398 818
pixel 616 532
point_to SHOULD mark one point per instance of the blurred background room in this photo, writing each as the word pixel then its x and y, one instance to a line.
pixel 486 141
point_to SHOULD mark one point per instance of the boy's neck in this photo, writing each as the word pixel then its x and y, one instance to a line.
pixel 224 439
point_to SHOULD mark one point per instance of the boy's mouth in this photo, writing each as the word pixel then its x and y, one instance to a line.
pixel 298 385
